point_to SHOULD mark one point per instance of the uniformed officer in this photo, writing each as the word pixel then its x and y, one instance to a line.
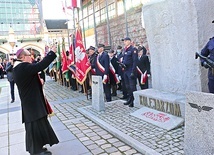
pixel 208 50
pixel 129 61
pixel 102 69
pixel 121 85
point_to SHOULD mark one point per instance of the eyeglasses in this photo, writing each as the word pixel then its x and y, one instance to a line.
pixel 27 54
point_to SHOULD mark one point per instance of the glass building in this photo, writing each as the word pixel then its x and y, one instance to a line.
pixel 22 15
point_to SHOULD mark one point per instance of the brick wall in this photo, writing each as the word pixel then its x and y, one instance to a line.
pixel 118 29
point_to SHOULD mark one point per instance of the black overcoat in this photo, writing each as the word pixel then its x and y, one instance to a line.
pixel 30 88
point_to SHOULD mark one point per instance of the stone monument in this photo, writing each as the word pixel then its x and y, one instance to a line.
pixel 175 31
pixel 97 93
pixel 199 124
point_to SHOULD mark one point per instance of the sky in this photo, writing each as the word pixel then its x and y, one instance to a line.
pixel 52 9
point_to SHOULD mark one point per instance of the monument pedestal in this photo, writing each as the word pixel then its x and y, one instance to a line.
pixel 160 108
pixel 97 93
pixel 171 103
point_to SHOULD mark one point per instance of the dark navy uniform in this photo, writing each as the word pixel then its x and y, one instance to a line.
pixel 103 60
pixel 121 75
pixel 208 50
pixel 129 60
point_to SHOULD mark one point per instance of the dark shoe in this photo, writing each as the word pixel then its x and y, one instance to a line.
pixel 124 97
pixel 43 153
pixel 128 102
pixel 131 104
pixel 114 94
pixel 12 101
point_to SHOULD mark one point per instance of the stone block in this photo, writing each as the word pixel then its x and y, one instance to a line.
pixel 167 102
pixel 199 124
pixel 97 93
pixel 160 119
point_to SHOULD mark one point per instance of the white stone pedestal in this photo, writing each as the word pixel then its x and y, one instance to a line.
pixel 97 93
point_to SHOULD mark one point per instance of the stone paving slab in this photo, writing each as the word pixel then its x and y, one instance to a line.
pixel 144 137
pixel 124 137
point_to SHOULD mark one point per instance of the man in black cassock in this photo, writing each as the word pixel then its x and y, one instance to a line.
pixel 34 111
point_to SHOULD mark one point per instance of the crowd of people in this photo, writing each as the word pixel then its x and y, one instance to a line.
pixel 120 69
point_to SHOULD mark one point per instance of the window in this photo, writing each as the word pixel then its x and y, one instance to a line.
pixel 120 8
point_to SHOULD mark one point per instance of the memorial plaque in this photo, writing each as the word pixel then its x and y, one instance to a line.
pixel 158 118
pixel 97 93
pixel 199 124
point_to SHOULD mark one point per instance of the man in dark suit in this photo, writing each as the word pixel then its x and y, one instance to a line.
pixel 143 67
pixel 113 73
pixel 34 110
pixel 9 71
pixel 102 69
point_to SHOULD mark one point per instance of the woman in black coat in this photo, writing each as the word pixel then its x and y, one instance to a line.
pixel 143 67
pixel 34 111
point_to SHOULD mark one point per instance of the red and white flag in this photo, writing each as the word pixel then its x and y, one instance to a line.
pixel 82 63
pixel 71 56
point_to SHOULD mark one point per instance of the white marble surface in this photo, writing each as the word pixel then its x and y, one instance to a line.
pixel 175 31
pixel 97 93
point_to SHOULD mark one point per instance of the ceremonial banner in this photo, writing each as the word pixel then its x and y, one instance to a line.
pixel 64 61
pixel 71 55
pixel 82 63
pixel 58 59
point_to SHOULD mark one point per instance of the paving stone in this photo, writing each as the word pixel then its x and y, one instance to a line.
pixel 104 146
pixel 84 139
pixel 94 138
pixel 88 142
pixel 116 153
pixel 107 136
pixel 111 150
pixel 100 142
pixel 124 148
pixel 92 146
pixel 118 144
pixel 132 151
pixel 97 151
pixel 112 140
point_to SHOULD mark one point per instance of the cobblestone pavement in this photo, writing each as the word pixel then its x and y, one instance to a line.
pixel 67 103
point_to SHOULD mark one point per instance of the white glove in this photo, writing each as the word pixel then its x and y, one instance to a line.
pixel 148 75
pixel 104 77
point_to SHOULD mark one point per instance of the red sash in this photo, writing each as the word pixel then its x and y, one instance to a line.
pixel 111 68
pixel 102 69
pixel 47 104
pixel 143 77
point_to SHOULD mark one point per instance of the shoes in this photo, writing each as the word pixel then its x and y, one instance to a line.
pixel 130 101
pixel 124 97
pixel 43 153
pixel 12 101
pixel 131 104
pixel 114 94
